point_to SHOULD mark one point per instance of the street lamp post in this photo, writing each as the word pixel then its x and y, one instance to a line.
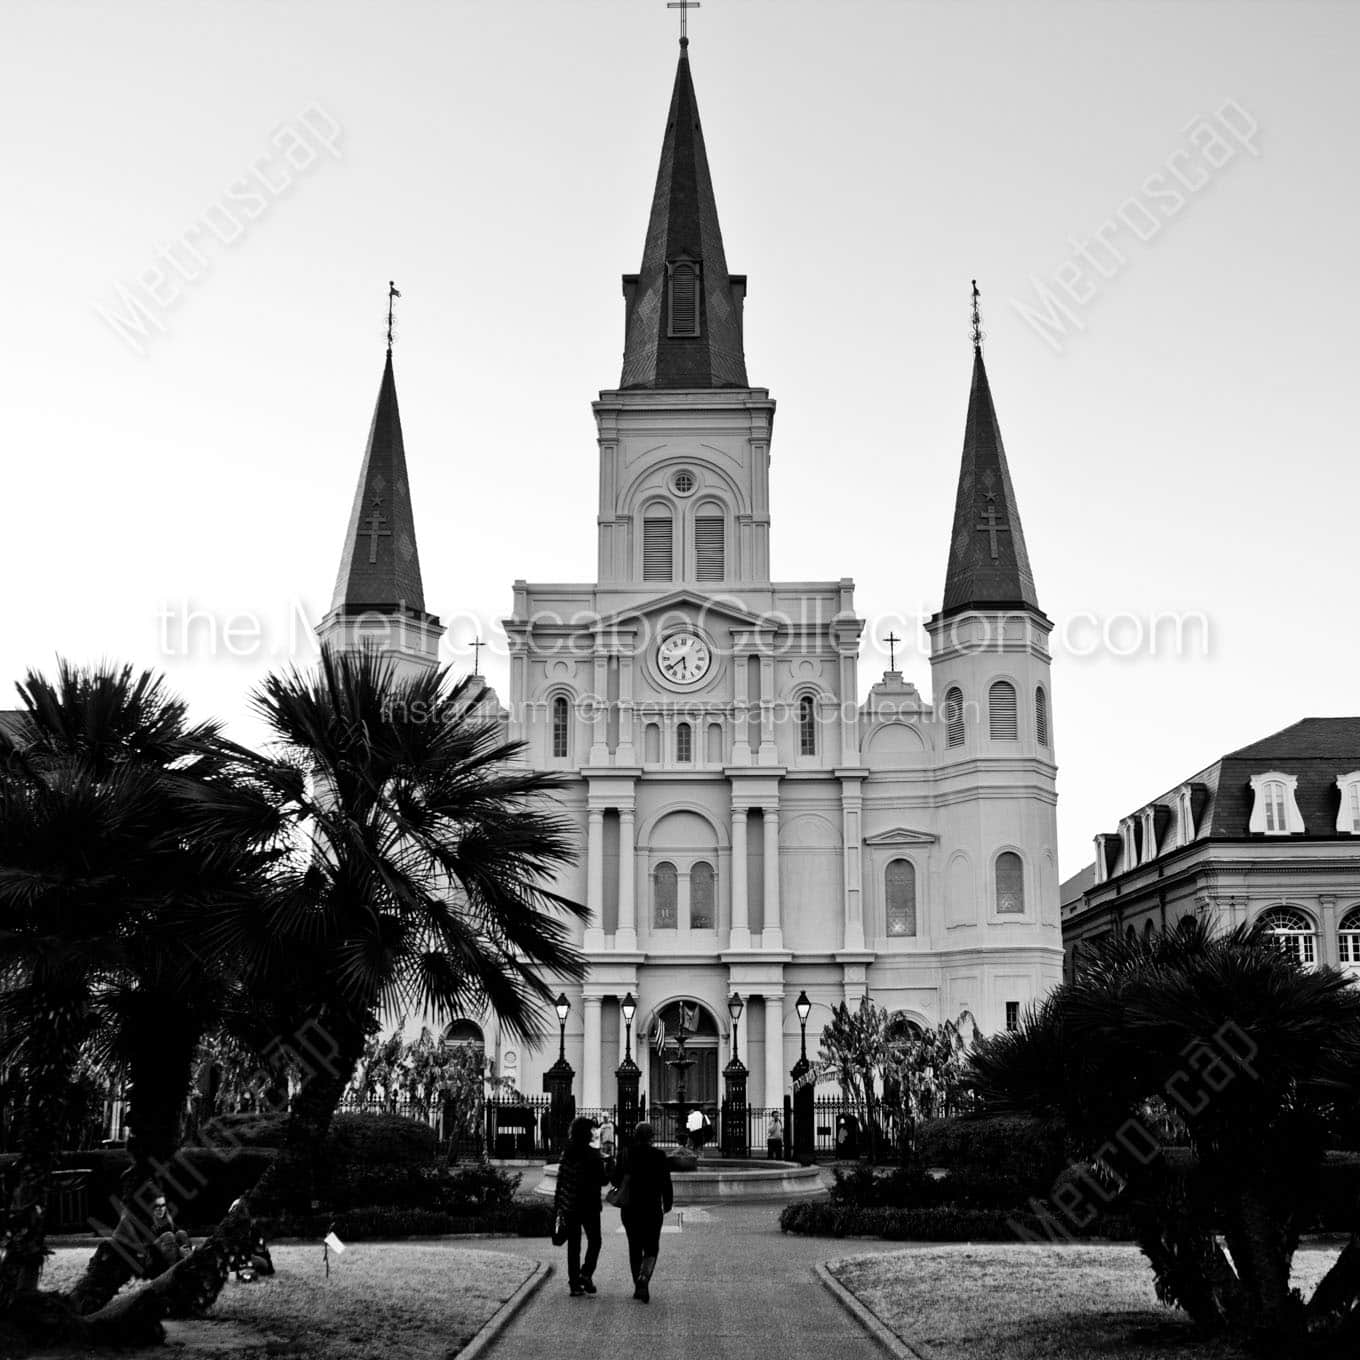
pixel 557 1082
pixel 804 1085
pixel 735 1141
pixel 628 1074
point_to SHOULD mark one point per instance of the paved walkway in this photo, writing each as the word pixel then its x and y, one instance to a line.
pixel 728 1286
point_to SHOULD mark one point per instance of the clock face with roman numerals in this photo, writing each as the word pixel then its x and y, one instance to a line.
pixel 683 659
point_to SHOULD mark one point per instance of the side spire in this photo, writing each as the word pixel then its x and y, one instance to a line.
pixel 683 308
pixel 380 565
pixel 988 563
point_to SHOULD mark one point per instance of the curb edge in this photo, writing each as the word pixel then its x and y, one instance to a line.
pixel 865 1316
pixel 482 1341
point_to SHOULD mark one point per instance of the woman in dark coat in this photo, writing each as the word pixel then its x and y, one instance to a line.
pixel 581 1176
pixel 649 1201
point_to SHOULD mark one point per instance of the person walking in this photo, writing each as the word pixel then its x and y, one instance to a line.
pixel 581 1176
pixel 643 1176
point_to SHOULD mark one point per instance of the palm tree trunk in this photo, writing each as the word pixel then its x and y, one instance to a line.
pixel 1257 1242
pixel 1338 1295
pixel 158 1080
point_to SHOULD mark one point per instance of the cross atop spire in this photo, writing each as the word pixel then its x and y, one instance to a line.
pixel 977 321
pixel 392 295
pixel 684 6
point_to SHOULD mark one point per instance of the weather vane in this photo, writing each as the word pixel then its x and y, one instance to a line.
pixel 684 6
pixel 392 295
pixel 977 320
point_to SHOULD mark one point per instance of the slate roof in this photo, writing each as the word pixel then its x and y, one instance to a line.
pixel 684 221
pixel 380 566
pixel 988 562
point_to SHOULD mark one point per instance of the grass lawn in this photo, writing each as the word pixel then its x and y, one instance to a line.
pixel 1034 1302
pixel 400 1301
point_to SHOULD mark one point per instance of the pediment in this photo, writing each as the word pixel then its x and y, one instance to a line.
pixel 706 606
pixel 901 835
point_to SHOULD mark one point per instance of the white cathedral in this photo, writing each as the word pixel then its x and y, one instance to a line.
pixel 746 824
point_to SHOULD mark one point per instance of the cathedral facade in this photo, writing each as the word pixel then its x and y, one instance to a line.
pixel 747 824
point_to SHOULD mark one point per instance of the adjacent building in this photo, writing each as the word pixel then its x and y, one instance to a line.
pixel 1267 835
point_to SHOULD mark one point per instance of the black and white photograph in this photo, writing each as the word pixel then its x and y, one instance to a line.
pixel 510 852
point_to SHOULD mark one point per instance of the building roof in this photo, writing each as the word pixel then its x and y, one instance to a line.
pixel 1314 750
pixel 380 566
pixel 988 562
pixel 684 223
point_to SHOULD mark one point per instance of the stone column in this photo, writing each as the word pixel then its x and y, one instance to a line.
pixel 773 937
pixel 741 746
pixel 595 878
pixel 599 748
pixel 1328 945
pixel 773 1097
pixel 852 804
pixel 741 919
pixel 590 1055
pixel 625 755
pixel 626 938
pixel 769 750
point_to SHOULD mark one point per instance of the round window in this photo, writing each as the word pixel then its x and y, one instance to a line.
pixel 683 482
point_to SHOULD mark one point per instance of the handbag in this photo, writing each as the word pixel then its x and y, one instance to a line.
pixel 619 1194
pixel 559 1232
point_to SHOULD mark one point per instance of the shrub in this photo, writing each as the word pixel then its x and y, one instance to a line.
pixel 911 1188
pixel 1030 1151
pixel 380 1140
pixel 940 1223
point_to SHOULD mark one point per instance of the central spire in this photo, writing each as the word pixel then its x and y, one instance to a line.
pixel 683 308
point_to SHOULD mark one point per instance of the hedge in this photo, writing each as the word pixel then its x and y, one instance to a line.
pixel 911 1188
pixel 519 1218
pixel 381 1140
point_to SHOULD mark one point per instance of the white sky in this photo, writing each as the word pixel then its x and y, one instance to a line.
pixel 1183 452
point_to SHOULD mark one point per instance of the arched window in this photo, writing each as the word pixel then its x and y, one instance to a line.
pixel 807 726
pixel 658 547
pixel 684 743
pixel 664 895
pixel 701 896
pixel 709 543
pixel 1041 716
pixel 1003 717
pixel 1148 931
pixel 953 717
pixel 1348 940
pixel 1292 931
pixel 1010 884
pixel 1130 935
pixel 684 298
pixel 560 729
pixel 899 891
pixel 651 744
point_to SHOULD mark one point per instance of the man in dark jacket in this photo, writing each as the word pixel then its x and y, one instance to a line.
pixel 581 1176
pixel 649 1200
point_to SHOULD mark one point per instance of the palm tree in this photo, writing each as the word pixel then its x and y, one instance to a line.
pixel 1253 1053
pixel 417 882
pixel 122 824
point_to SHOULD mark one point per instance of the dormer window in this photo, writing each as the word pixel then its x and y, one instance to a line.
pixel 684 297
pixel 1185 816
pixel 1348 814
pixel 1276 813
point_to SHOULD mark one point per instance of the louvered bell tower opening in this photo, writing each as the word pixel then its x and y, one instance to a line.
pixel 684 299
